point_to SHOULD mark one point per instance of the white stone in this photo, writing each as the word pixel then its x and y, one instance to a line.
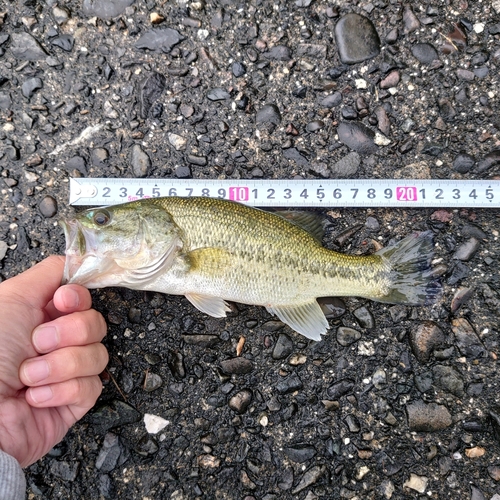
pixel 479 27
pixel 381 139
pixel 3 249
pixel 361 83
pixel 417 483
pixel 366 349
pixel 154 423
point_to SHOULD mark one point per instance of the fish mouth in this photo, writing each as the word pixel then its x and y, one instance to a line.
pixel 82 264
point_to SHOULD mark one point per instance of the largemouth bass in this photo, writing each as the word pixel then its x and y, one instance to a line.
pixel 213 251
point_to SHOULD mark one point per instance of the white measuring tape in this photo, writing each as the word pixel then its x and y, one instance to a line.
pixel 416 193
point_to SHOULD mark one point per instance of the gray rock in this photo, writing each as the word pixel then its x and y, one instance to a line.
pixel 312 50
pixel 424 52
pixel 61 14
pixel 238 69
pixel 283 347
pixel 383 122
pixel 340 388
pixel 99 157
pixel 300 453
pixel 111 453
pixel 332 307
pixel 476 493
pixel 295 155
pixel 268 116
pixel 67 471
pixel 151 90
pixel 152 381
pixel 466 250
pixel 5 101
pixel 424 339
pixel 347 336
pixel 241 401
pixel 218 94
pixel 64 42
pixel 48 207
pixel 331 100
pixel 25 47
pixel 357 137
pixel 410 20
pixel 463 163
pixel 159 40
pixel 106 486
pixel 237 366
pixel 30 86
pixel 492 159
pixel 365 317
pixel 105 9
pixel 279 53
pixel 347 166
pixel 183 172
pixel 141 163
pixel 352 424
pixel 430 417
pixel 461 296
pixel 449 379
pixel 309 478
pixel 290 384
pixel 466 338
pixel 357 40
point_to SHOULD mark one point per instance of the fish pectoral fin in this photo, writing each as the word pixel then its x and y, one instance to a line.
pixel 307 319
pixel 208 260
pixel 213 306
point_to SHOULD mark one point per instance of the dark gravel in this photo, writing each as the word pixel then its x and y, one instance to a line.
pixel 395 402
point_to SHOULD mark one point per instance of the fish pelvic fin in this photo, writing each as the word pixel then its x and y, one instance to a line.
pixel 411 279
pixel 213 306
pixel 307 319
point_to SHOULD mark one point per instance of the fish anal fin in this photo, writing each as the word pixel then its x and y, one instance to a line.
pixel 213 306
pixel 307 319
pixel 311 222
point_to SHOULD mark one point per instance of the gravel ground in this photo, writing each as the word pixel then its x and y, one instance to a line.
pixel 395 402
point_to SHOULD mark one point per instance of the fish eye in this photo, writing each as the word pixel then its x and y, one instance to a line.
pixel 101 218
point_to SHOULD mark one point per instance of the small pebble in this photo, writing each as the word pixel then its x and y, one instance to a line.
pixel 154 423
pixel 48 207
pixel 241 401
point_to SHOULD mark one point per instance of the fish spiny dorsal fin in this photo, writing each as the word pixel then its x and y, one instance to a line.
pixel 311 222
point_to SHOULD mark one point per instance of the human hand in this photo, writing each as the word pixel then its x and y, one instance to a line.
pixel 50 359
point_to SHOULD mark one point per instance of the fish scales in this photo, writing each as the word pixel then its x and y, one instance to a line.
pixel 295 266
pixel 213 250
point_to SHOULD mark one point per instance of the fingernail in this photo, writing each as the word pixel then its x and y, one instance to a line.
pixel 35 371
pixel 71 299
pixel 41 394
pixel 45 338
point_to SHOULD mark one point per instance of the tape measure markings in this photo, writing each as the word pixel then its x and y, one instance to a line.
pixel 417 193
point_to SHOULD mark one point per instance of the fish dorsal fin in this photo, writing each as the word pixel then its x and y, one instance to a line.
pixel 307 319
pixel 213 306
pixel 311 222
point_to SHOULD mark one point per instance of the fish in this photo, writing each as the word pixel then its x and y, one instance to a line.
pixel 214 251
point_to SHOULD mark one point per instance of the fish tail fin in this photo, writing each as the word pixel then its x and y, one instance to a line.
pixel 412 280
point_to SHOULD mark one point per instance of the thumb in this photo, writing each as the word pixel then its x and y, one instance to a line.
pixel 37 285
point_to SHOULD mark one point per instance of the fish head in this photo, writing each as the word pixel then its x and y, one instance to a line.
pixel 121 245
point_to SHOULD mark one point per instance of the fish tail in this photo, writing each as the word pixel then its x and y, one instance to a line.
pixel 411 277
